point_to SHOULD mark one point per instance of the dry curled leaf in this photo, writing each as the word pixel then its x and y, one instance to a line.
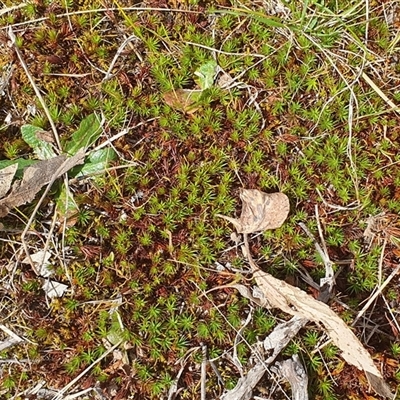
pixel 260 211
pixel 35 177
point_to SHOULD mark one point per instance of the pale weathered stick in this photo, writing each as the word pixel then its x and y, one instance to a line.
pixel 37 91
pixel 282 334
pixel 203 376
pixel 12 340
pixel 9 342
pixel 123 133
pixel 60 394
pixel 376 294
pixel 244 388
pixel 328 281
pixel 293 371
pixel 13 8
pixel 70 162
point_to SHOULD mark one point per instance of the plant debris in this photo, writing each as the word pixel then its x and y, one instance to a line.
pixel 6 178
pixel 35 177
pixel 296 302
pixel 184 100
pixel 293 371
pixel 260 211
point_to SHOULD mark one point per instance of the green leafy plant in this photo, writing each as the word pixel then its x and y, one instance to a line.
pixel 88 132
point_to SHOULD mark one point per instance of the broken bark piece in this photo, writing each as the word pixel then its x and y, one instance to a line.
pixel 293 371
pixel 282 334
pixel 244 388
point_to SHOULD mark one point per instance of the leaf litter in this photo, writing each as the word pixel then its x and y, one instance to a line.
pixel 35 177
pixel 188 100
pixel 262 211
pixel 6 177
pixel 41 261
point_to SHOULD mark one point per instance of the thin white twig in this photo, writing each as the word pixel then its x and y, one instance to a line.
pixel 381 261
pixel 376 294
pixel 394 319
pixel 228 53
pixel 118 53
pixel 122 133
pixel 35 88
pixel 13 8
pixel 321 252
pixel 12 340
pixel 339 208
pixel 329 273
pixel 203 376
pixel 84 372
pixel 67 75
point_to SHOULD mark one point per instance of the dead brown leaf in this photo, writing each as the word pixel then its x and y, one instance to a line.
pixel 35 177
pixel 184 100
pixel 260 211
pixel 6 177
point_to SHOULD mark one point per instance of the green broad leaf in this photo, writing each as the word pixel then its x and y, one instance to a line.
pixel 88 132
pixel 206 74
pixel 96 163
pixel 42 149
pixel 115 336
pixel 22 164
pixel 67 208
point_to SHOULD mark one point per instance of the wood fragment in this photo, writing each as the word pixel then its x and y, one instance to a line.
pixel 203 378
pixel 244 388
pixel 293 371
pixel 12 340
pixel 282 334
